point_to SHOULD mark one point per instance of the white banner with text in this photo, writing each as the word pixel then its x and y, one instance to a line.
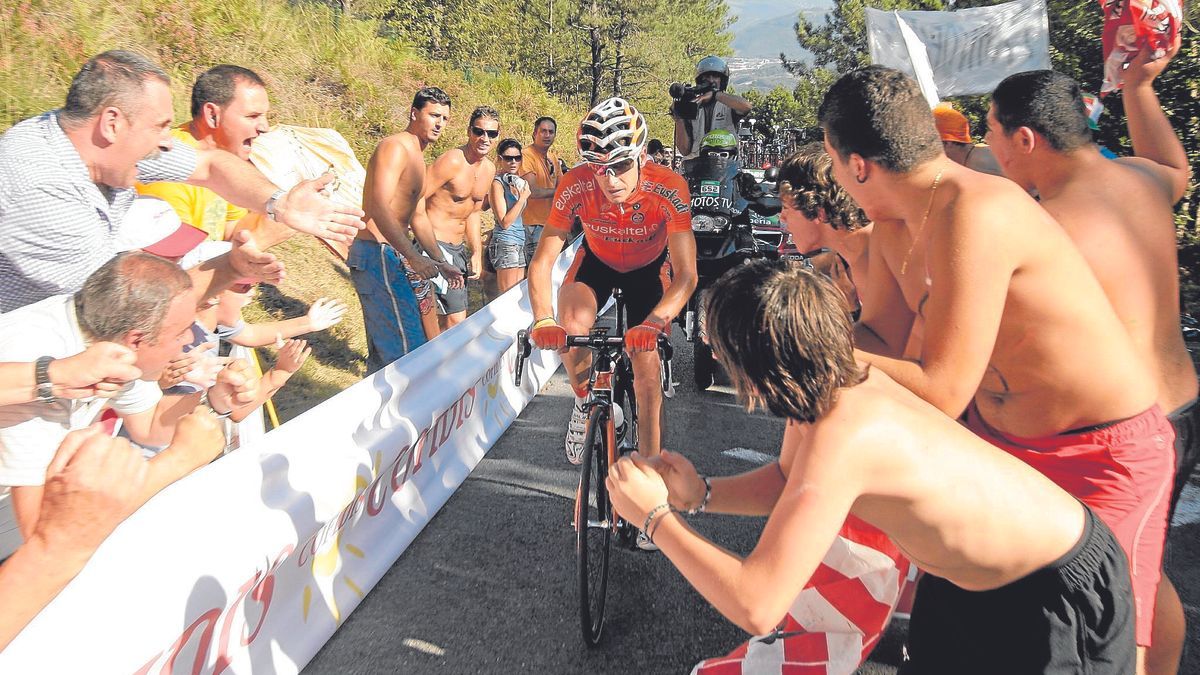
pixel 969 50
pixel 251 563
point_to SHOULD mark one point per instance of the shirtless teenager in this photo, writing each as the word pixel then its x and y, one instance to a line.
pixel 1017 570
pixel 1017 331
pixel 389 275
pixel 1119 213
pixel 821 216
pixel 455 187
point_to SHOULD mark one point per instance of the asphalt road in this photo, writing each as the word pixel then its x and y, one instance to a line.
pixel 489 585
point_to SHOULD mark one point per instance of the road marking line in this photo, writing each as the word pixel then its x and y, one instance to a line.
pixel 748 455
pixel 423 646
pixel 1187 511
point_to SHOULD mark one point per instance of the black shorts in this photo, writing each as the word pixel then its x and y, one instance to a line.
pixel 1073 616
pixel 643 287
pixel 1186 422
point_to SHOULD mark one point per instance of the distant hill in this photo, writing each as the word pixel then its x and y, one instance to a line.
pixel 761 33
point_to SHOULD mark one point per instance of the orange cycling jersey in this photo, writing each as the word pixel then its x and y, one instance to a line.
pixel 625 236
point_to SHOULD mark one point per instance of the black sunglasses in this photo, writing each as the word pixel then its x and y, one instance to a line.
pixel 511 158
pixel 491 133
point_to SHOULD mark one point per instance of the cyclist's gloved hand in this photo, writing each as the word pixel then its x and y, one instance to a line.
pixel 547 334
pixel 644 337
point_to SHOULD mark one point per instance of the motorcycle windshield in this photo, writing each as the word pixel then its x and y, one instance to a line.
pixel 712 181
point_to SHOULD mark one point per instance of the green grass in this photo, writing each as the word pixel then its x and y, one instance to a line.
pixel 322 70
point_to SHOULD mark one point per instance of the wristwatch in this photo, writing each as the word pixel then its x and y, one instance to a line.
pixel 41 377
pixel 270 205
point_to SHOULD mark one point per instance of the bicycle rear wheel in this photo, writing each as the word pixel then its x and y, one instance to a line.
pixel 593 527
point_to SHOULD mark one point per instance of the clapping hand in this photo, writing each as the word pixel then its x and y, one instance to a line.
pixel 635 487
pixel 306 208
pixel 198 438
pixel 325 313
pixel 92 484
pixel 248 261
pixel 684 485
pixel 292 355
pixel 237 385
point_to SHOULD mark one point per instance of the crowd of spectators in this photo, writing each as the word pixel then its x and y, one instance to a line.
pixel 111 307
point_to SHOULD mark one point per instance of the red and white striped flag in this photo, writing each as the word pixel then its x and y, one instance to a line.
pixel 837 619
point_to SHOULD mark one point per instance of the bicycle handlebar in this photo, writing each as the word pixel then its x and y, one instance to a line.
pixel 525 347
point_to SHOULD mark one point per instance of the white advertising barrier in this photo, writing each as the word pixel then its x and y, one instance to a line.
pixel 970 50
pixel 251 563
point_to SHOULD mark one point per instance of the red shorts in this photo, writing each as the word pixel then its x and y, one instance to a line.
pixel 1124 472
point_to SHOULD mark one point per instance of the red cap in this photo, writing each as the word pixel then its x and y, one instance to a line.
pixel 178 243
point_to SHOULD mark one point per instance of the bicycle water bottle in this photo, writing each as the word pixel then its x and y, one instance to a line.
pixel 618 416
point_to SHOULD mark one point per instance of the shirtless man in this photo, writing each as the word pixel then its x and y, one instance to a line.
pixel 1017 331
pixel 1119 213
pixel 1017 570
pixel 390 276
pixel 453 201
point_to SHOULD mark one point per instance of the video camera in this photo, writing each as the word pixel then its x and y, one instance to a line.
pixel 685 96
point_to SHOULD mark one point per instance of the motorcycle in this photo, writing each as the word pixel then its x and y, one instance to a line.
pixel 734 221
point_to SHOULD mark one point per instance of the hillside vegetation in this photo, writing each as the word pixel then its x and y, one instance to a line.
pixel 322 70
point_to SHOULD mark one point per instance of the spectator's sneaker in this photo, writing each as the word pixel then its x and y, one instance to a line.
pixel 644 543
pixel 576 431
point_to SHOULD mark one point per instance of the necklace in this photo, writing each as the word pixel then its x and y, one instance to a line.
pixel 920 230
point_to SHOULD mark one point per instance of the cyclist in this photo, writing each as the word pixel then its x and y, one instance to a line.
pixel 632 211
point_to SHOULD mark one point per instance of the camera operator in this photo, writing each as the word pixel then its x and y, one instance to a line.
pixel 705 107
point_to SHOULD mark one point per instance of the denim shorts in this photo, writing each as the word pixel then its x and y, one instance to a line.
pixel 506 256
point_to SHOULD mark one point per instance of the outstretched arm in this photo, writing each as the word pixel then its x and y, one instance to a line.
pixel 1149 129
pixel 754 593
pixel 303 208
pixel 683 266
pixel 540 287
pixel 323 314
pixel 93 483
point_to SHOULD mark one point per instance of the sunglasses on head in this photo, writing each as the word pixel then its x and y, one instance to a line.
pixel 612 169
pixel 491 133
pixel 511 158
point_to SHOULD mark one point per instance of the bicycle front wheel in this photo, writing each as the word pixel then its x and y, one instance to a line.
pixel 593 527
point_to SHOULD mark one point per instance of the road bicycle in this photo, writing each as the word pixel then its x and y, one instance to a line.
pixel 612 431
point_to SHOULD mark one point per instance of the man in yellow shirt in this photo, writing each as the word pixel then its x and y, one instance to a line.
pixel 541 169
pixel 229 110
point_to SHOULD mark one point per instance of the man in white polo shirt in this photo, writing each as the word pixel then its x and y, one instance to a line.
pixel 136 300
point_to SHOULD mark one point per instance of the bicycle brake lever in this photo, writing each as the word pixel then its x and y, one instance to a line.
pixel 523 351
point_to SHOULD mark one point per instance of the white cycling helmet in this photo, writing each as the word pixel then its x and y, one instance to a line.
pixel 612 132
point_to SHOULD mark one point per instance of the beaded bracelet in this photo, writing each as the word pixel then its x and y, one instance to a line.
pixel 703 502
pixel 654 513
pixel 656 524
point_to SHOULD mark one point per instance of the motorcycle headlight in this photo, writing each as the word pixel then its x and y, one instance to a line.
pixel 706 223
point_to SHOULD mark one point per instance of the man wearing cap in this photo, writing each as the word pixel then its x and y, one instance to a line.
pixel 66 180
pixel 955 130
pixel 153 226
